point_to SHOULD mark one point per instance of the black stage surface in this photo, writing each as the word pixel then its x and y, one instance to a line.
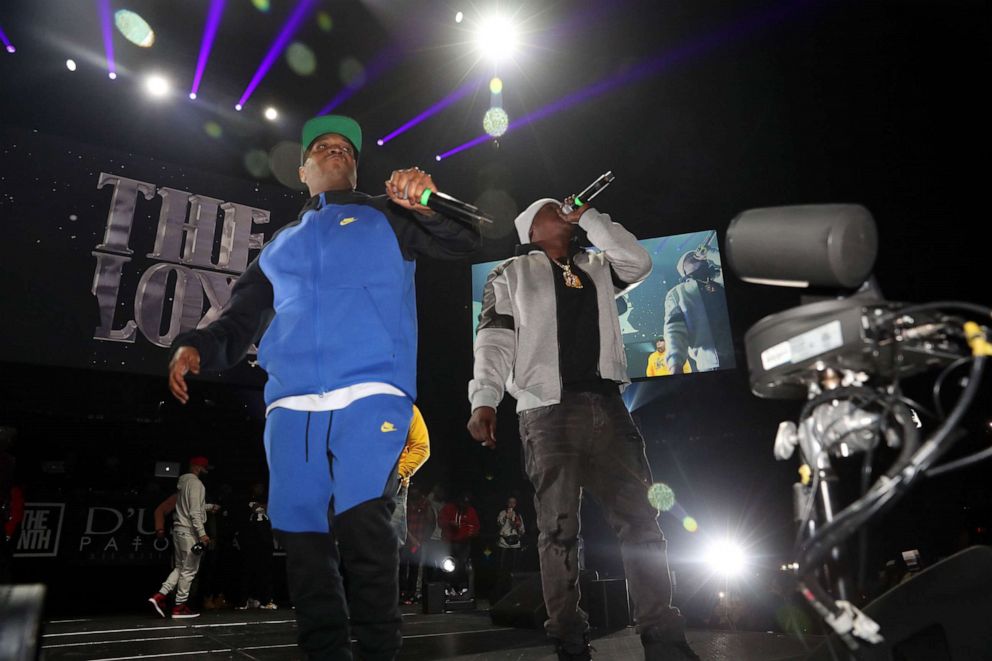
pixel 458 636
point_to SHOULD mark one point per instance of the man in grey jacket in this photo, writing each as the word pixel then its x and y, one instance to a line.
pixel 549 334
pixel 696 321
pixel 187 531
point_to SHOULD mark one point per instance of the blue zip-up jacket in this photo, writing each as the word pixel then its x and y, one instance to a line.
pixel 331 298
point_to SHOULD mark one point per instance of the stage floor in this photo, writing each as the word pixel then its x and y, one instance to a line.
pixel 458 636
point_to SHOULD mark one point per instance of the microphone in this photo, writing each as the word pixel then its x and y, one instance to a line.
pixel 453 208
pixel 590 191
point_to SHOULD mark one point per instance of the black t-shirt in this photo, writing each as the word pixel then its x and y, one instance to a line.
pixel 578 334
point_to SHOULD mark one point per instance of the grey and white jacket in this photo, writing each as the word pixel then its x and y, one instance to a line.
pixel 190 506
pixel 516 348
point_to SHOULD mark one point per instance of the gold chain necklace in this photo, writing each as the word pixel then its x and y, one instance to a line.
pixel 571 280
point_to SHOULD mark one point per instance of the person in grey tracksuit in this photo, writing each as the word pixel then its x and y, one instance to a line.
pixel 549 335
pixel 187 529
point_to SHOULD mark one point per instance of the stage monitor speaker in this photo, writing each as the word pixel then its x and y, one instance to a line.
pixel 506 581
pixel 20 621
pixel 433 598
pixel 523 605
pixel 607 603
pixel 944 613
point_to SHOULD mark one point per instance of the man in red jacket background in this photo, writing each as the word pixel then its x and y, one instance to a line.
pixel 459 524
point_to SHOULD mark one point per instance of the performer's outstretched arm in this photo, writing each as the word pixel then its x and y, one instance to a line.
pixel 226 341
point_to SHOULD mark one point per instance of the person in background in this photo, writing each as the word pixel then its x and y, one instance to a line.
pixel 421 522
pixel 415 454
pixel 459 525
pixel 511 532
pixel 656 361
pixel 696 322
pixel 257 553
pixel 216 556
pixel 189 537
pixel 11 505
pixel 434 547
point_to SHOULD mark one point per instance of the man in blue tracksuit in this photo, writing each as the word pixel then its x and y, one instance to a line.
pixel 331 302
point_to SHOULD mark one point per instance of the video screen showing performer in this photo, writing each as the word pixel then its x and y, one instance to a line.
pixel 676 321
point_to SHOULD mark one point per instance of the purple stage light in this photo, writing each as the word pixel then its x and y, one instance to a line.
pixel 652 66
pixel 106 26
pixel 6 42
pixel 468 145
pixel 209 32
pixel 374 69
pixel 288 30
pixel 458 94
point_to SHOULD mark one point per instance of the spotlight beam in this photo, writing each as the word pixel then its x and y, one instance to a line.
pixel 106 26
pixel 653 66
pixel 6 42
pixel 457 95
pixel 209 32
pixel 288 30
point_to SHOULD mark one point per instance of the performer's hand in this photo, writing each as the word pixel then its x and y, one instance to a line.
pixel 205 539
pixel 186 360
pixel 482 426
pixel 160 533
pixel 405 187
pixel 575 214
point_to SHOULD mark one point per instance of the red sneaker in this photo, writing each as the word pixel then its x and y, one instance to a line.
pixel 157 601
pixel 182 611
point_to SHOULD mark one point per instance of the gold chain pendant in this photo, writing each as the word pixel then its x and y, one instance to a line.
pixel 571 280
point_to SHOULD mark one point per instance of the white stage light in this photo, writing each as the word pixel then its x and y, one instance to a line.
pixel 192 95
pixel 70 65
pixel 726 558
pixel 496 38
pixel 271 114
pixel 459 17
pixel 157 86
pixel 448 564
pixel 112 75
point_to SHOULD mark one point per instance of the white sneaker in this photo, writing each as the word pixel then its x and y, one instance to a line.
pixel 251 603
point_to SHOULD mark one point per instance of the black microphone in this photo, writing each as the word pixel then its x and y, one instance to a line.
pixel 453 208
pixel 590 191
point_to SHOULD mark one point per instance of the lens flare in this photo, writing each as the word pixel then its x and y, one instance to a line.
pixel 213 129
pixel 301 59
pixel 661 497
pixel 134 28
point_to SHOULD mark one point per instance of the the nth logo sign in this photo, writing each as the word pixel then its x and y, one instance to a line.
pixel 41 530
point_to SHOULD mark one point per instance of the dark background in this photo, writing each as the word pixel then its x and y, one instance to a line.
pixel 718 107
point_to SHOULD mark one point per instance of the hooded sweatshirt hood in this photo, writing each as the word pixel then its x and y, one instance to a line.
pixel 526 218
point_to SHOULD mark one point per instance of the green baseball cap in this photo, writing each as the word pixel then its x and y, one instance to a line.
pixel 318 126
